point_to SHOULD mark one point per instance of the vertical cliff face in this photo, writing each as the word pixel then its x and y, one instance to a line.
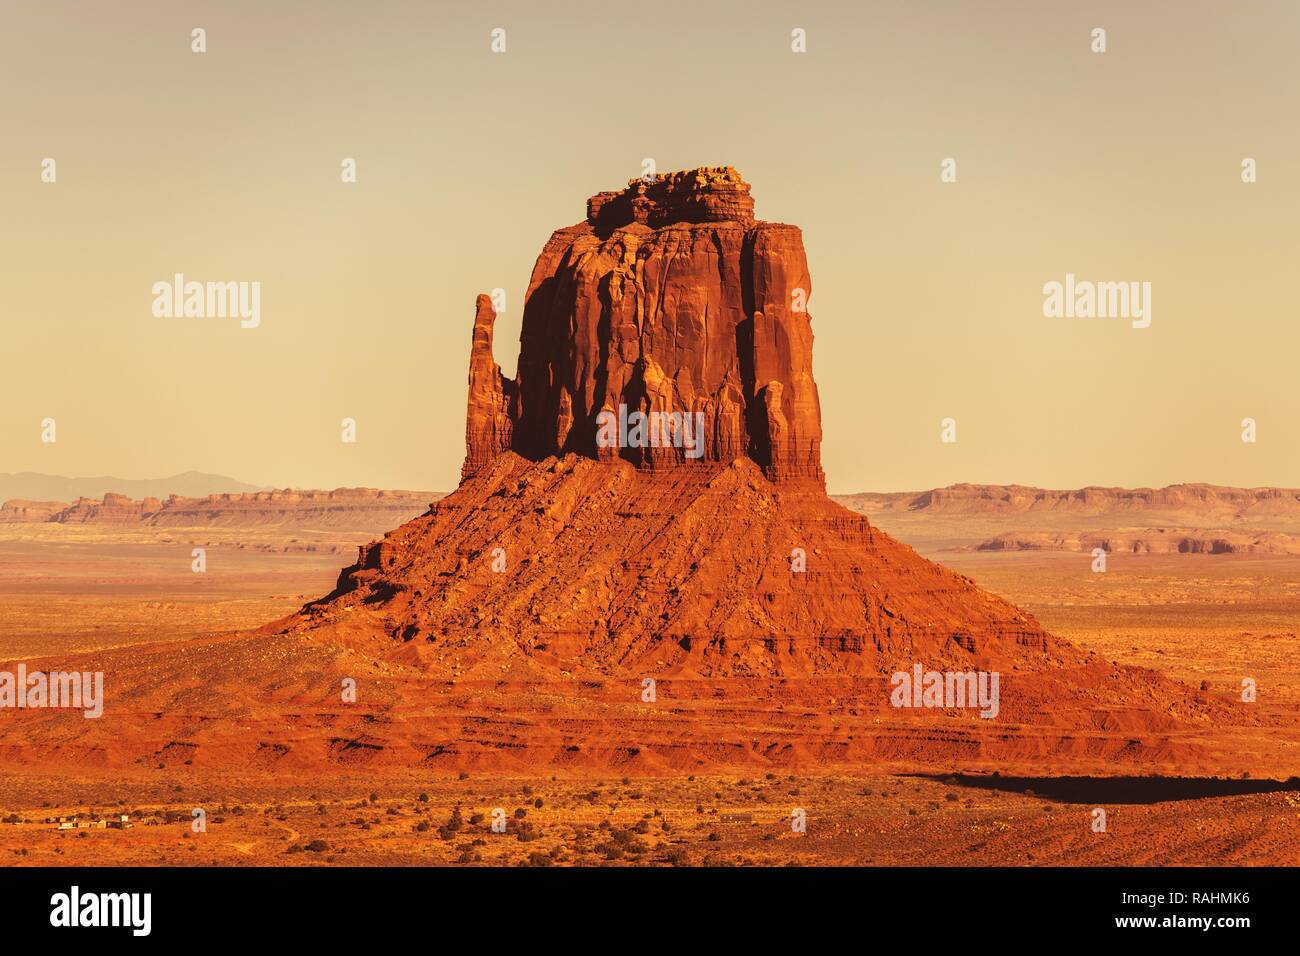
pixel 670 298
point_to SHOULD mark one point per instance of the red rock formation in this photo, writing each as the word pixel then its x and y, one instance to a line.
pixel 22 511
pixel 487 422
pixel 669 298
pixel 607 568
pixel 558 561
pixel 366 508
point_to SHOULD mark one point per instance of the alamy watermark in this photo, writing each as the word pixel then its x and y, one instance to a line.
pixel 947 689
pixel 75 689
pixel 208 300
pixel 651 430
pixel 1084 299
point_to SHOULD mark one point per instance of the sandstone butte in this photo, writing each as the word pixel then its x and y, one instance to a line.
pixel 671 296
pixel 511 626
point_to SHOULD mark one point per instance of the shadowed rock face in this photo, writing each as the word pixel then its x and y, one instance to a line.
pixel 669 298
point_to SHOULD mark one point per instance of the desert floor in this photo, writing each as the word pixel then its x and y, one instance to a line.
pixel 1195 617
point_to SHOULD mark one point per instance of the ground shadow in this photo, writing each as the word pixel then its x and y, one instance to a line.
pixel 1097 790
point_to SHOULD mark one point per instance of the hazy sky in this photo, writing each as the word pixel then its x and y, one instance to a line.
pixel 927 298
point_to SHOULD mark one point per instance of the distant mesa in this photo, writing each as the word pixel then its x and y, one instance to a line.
pixel 1148 541
pixel 342 507
pixel 1176 519
pixel 970 499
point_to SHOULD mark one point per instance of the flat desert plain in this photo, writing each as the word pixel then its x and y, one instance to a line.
pixel 1214 618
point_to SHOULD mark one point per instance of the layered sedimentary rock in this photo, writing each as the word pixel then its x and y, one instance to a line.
pixel 558 552
pixel 558 559
pixel 1265 504
pixel 603 567
pixel 343 507
pixel 488 425
pixel 671 299
pixel 22 511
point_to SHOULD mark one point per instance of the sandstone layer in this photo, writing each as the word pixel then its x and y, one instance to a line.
pixel 671 298
pixel 342 507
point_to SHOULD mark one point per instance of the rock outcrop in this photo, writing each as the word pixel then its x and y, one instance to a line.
pixel 558 555
pixel 671 299
pixel 488 424
pixel 604 568
pixel 1266 504
pixel 22 511
pixel 1147 541
pixel 367 508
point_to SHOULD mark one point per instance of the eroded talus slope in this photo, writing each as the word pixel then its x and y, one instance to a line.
pixel 603 568
pixel 606 572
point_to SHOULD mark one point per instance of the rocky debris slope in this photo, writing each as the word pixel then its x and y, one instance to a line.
pixel 585 566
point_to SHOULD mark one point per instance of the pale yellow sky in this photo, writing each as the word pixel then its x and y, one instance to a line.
pixel 927 297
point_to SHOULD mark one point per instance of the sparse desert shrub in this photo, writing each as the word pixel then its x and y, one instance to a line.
pixel 316 846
